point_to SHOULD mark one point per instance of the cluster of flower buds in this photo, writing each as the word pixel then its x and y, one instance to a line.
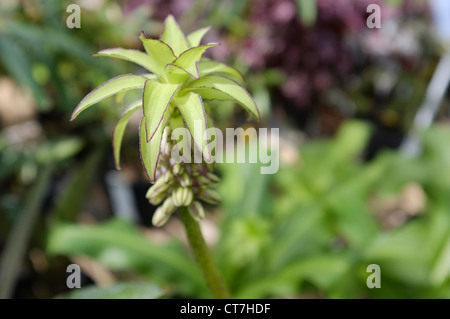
pixel 181 184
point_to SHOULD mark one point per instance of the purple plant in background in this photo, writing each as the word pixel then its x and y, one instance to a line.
pixel 331 68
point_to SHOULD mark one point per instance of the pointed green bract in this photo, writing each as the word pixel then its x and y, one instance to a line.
pixel 230 87
pixel 134 56
pixel 210 121
pixel 173 36
pixel 119 130
pixel 111 87
pixel 150 76
pixel 193 112
pixel 156 99
pixel 150 151
pixel 176 74
pixel 206 67
pixel 188 59
pixel 211 94
pixel 196 37
pixel 159 53
pixel 211 125
pixel 182 143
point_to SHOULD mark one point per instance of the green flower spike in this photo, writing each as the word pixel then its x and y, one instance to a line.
pixel 173 91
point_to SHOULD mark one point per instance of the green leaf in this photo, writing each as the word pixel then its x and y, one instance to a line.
pixel 307 11
pixel 193 112
pixel 55 39
pixel 350 141
pixel 212 94
pixel 73 191
pixel 351 215
pixel 206 67
pixel 119 245
pixel 134 56
pixel 322 271
pixel 16 61
pixel 15 249
pixel 404 248
pixel 119 130
pixel 159 53
pixel 394 3
pixel 113 86
pixel 123 290
pixel 440 270
pixel 176 74
pixel 229 87
pixel 150 151
pixel 209 121
pixel 196 37
pixel 150 76
pixel 188 60
pixel 173 36
pixel 157 97
pixel 57 151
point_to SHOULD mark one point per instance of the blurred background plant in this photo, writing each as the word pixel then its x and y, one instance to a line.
pixel 341 94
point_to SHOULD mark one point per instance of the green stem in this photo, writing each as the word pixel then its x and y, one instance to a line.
pixel 203 256
pixel 16 246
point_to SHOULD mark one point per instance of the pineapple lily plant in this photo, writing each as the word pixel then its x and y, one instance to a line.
pixel 173 91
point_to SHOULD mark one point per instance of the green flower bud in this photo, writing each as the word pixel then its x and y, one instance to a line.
pixel 202 180
pixel 177 169
pixel 182 196
pixel 210 196
pixel 185 180
pixel 167 177
pixel 157 198
pixel 163 213
pixel 196 210
pixel 210 166
pixel 195 174
pixel 159 187
pixel 213 178
pixel 157 192
pixel 167 149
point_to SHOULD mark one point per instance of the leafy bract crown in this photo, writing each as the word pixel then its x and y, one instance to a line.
pixel 180 80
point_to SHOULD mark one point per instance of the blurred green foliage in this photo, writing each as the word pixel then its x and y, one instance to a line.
pixel 129 290
pixel 120 246
pixel 311 230
pixel 307 231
